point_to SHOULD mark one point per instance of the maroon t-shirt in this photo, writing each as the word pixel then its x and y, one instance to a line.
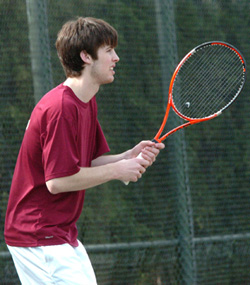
pixel 63 134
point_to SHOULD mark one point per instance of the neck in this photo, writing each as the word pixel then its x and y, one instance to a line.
pixel 82 88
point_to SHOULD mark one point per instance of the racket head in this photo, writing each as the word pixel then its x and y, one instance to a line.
pixel 205 82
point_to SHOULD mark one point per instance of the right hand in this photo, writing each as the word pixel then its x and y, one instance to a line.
pixel 130 170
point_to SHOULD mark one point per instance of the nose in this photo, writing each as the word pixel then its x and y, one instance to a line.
pixel 116 57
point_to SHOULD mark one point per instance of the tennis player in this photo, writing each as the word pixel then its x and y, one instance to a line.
pixel 64 152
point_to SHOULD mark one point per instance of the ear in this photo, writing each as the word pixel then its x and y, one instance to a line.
pixel 85 57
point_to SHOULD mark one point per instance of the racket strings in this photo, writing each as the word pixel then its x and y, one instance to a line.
pixel 208 82
pixel 228 89
pixel 208 79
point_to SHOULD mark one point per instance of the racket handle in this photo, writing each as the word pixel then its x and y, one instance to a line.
pixel 138 156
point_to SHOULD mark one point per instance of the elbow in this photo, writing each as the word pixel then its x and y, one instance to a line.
pixel 53 187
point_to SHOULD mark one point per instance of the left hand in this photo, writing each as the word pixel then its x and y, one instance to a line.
pixel 149 151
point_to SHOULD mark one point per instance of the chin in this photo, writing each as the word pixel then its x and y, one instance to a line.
pixel 110 80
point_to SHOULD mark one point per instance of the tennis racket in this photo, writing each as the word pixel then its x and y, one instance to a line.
pixel 205 82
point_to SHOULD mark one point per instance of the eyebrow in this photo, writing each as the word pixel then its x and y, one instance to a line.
pixel 108 47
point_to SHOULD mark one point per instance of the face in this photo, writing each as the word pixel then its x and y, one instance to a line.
pixel 103 68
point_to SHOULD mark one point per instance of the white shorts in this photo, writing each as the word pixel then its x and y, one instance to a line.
pixel 55 264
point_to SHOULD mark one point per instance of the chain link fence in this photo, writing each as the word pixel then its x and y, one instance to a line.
pixel 187 220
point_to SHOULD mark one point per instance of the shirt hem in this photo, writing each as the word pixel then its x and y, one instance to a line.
pixel 41 243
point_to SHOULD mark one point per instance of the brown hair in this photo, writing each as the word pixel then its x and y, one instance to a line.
pixel 83 34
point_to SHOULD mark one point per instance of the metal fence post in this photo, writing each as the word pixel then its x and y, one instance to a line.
pixel 165 20
pixel 39 47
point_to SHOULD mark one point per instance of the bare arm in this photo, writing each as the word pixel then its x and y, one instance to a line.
pixel 124 167
pixel 149 151
pixel 88 177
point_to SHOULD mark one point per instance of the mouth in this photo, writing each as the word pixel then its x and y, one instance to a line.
pixel 112 69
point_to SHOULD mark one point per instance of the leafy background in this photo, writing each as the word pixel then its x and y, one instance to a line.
pixel 195 199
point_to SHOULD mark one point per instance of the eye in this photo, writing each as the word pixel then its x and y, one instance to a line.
pixel 109 48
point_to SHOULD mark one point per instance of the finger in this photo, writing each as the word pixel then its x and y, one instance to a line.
pixel 142 160
pixel 149 156
pixel 160 145
pixel 152 152
pixel 142 170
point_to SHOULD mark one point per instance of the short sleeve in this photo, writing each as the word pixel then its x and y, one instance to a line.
pixel 101 146
pixel 60 156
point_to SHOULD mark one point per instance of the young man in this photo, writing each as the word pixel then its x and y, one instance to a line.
pixel 62 154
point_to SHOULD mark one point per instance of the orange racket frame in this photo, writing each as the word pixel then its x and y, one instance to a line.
pixel 170 104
